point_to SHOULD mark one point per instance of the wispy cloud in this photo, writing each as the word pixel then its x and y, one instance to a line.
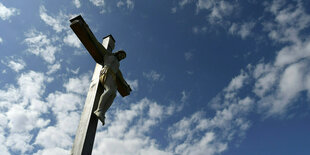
pixel 99 3
pixel 22 108
pixel 16 64
pixel 185 96
pixel 200 135
pixel 6 13
pixel 218 9
pixel 153 75
pixel 243 30
pixel 199 29
pixel 188 56
pixel 79 85
pixel 134 84
pixel 288 21
pixel 128 3
pixel 77 3
pixel 53 68
pixel 41 45
pixel 72 40
pixel 58 23
pixel 277 84
pixel 127 132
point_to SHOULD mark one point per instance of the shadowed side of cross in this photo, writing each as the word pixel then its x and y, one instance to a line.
pixel 86 131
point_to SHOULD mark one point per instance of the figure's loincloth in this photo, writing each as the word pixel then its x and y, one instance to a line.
pixel 105 71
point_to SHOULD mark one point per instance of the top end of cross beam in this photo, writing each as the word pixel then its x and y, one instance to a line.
pixel 109 43
pixel 110 35
pixel 79 17
pixel 81 29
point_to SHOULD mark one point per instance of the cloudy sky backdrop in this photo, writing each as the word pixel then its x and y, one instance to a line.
pixel 209 77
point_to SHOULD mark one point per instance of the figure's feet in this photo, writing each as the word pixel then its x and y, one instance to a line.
pixel 100 116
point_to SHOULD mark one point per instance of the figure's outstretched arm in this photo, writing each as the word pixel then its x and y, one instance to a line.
pixel 121 79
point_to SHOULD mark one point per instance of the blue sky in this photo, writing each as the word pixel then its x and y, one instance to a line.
pixel 208 76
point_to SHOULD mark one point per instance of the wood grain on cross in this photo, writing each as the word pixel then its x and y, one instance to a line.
pixel 86 131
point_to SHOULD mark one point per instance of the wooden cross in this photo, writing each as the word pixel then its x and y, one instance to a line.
pixel 86 131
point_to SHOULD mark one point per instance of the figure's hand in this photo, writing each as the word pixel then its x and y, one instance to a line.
pixel 129 88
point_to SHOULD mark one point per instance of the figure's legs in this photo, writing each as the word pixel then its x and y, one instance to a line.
pixel 106 98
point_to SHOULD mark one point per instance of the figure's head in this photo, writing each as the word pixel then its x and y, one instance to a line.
pixel 121 54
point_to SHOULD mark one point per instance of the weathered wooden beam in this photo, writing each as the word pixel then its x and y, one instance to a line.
pixel 85 135
pixel 81 29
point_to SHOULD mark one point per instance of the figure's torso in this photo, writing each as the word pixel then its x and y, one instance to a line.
pixel 111 61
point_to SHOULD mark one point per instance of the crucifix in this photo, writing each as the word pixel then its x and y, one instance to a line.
pixel 106 80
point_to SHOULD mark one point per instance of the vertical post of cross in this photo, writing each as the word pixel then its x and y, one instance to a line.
pixel 85 135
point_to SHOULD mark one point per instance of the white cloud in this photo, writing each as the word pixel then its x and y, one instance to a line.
pixel 21 120
pixel 1 40
pixel 153 75
pixel 120 4
pixel 6 13
pixel 41 45
pixel 276 84
pixel 174 10
pixel 21 109
pixel 127 129
pixel 243 30
pixel 30 88
pixel 53 68
pixel 199 30
pixel 237 82
pixel 185 96
pixel 19 142
pixel 77 3
pixel 15 64
pixel 31 85
pixel 188 56
pixel 97 2
pixel 289 21
pixel 266 77
pixel 184 2
pixel 280 83
pixel 79 85
pixel 52 151
pixel 52 137
pixel 293 53
pixel 292 81
pixel 70 102
pixel 101 4
pixel 134 84
pixel 129 4
pixel 76 71
pixel 72 40
pixel 229 122
pixel 66 108
pixel 3 149
pixel 218 9
pixel 58 23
